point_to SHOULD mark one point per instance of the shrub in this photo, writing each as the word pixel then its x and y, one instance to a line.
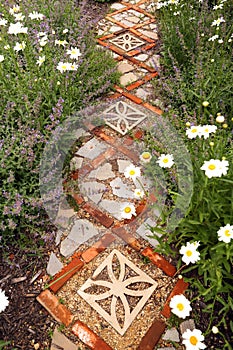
pixel 41 84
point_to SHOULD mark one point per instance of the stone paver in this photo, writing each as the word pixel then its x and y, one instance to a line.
pixel 171 335
pixel 103 172
pixel 91 149
pixel 144 231
pixel 54 265
pixel 120 189
pixel 93 190
pixel 60 341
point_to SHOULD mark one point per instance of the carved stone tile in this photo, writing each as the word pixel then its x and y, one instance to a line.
pixel 127 41
pixel 124 287
pixel 123 117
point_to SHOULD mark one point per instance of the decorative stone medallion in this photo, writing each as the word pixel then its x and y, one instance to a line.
pixel 110 284
pixel 122 117
pixel 127 41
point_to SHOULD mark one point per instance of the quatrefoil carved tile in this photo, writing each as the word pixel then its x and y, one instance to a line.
pixel 123 117
pixel 127 41
pixel 124 303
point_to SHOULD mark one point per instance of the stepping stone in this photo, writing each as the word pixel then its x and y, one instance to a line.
pixel 114 29
pixel 91 149
pixel 124 67
pixel 80 233
pixel 64 217
pixel 93 190
pixel 149 34
pixel 142 57
pixel 60 341
pixel 171 335
pixel 144 231
pixel 189 324
pixel 120 189
pixel 117 6
pixel 128 78
pixel 122 165
pixel 54 265
pixel 104 172
pixel 58 237
pixel 134 19
pixel 142 93
pixel 76 163
pixel 112 207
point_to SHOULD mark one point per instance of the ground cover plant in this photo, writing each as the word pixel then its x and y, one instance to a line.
pixel 195 88
pixel 50 67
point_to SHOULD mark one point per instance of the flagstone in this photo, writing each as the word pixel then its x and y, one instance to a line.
pixel 91 149
pixel 128 78
pixel 60 341
pixel 104 172
pixel 122 165
pixel 124 67
pixel 117 6
pixel 92 190
pixel 54 265
pixel 120 189
pixel 149 34
pixel 112 207
pixel 142 57
pixel 144 231
pixel 114 29
pixel 171 335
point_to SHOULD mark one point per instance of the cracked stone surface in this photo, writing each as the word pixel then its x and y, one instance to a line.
pixel 92 190
pixel 80 233
pixel 112 207
pixel 117 288
pixel 125 67
pixel 104 172
pixel 54 265
pixel 123 164
pixel 171 335
pixel 120 189
pixel 92 149
pixel 144 231
pixel 60 341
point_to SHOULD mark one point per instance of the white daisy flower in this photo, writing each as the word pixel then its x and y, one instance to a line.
pixel 180 306
pixel 193 132
pixel 145 157
pixel 36 15
pixel 225 233
pixel 19 46
pixel 4 302
pixel 165 161
pixel 1 58
pixel 14 9
pixel 132 172
pixel 3 22
pixel 214 37
pixel 127 211
pixel 19 16
pixel 40 60
pixel 206 130
pixel 17 28
pixel 193 339
pixel 215 167
pixel 74 53
pixel 190 253
pixel 72 66
pixel 138 193
pixel 63 66
pixel 61 42
pixel 218 21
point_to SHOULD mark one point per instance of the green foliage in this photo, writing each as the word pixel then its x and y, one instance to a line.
pixel 195 68
pixel 36 97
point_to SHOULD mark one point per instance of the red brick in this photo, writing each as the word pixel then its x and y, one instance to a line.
pixel 107 138
pixel 98 247
pixel 79 199
pixel 98 215
pixel 141 208
pixel 102 157
pixel 135 85
pixel 68 271
pixel 138 134
pixel 179 288
pixel 150 76
pixel 159 261
pixel 86 169
pixel 133 156
pixel 113 96
pixel 152 336
pixel 118 89
pixel 127 237
pixel 132 97
pixel 59 312
pixel 88 337
pixel 153 108
pixel 74 175
pixel 127 140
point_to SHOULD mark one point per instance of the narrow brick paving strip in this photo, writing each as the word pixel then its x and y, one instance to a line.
pixel 153 335
pixel 88 337
pixel 179 288
pixel 64 275
pixel 159 261
pixel 98 247
pixel 55 308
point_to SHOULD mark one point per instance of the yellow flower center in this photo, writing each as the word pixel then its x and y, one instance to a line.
pixel 132 172
pixel 189 253
pixel 64 66
pixel 165 160
pixel 194 130
pixel 193 340
pixel 146 155
pixel 206 130
pixel 227 233
pixel 127 210
pixel 211 167
pixel 180 307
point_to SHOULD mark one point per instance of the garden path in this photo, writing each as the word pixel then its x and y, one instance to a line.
pixel 99 253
